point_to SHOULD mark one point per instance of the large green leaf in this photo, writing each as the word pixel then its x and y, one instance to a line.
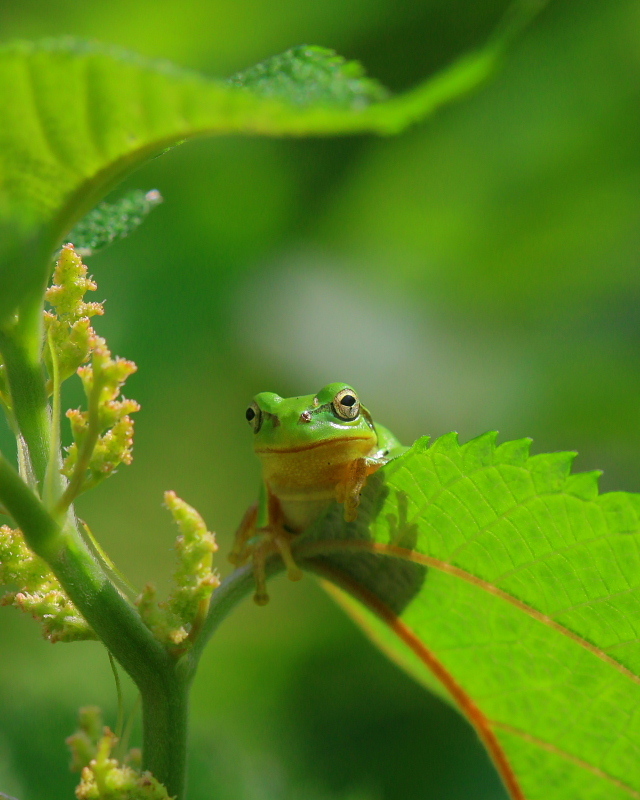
pixel 513 588
pixel 77 117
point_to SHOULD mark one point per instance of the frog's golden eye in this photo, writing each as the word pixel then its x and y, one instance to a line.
pixel 254 417
pixel 346 404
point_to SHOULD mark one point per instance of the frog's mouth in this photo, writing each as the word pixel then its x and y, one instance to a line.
pixel 313 445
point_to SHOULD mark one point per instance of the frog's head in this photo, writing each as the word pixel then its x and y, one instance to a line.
pixel 292 424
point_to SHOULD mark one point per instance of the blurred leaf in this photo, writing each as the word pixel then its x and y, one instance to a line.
pixel 308 76
pixel 514 585
pixel 77 117
pixel 109 222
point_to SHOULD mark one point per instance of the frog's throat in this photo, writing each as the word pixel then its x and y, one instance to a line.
pixel 312 445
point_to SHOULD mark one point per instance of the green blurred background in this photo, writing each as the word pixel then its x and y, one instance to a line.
pixel 479 272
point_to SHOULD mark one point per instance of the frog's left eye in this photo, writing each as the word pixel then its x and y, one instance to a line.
pixel 254 417
pixel 346 404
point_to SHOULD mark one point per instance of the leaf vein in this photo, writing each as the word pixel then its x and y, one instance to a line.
pixel 551 748
pixel 311 549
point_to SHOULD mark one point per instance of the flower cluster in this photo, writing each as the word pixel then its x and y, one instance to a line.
pixel 103 434
pixel 180 617
pixel 67 327
pixel 103 438
pixel 38 591
pixel 104 777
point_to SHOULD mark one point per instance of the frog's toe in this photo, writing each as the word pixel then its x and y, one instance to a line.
pixel 283 543
pixel 294 573
pixel 261 598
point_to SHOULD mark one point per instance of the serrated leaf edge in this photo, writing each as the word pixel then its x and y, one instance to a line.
pixel 580 485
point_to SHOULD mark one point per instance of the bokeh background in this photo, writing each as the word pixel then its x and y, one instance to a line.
pixel 479 272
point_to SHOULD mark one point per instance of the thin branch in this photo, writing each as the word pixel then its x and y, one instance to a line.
pixel 111 616
pixel 90 440
pixel 52 475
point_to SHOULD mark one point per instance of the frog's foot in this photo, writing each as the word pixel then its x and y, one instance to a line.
pixel 282 540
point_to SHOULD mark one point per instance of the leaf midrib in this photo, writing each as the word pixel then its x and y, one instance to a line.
pixel 478 719
pixel 310 549
pixel 483 724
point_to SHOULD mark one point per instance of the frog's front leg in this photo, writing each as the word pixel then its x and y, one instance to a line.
pixel 240 552
pixel 348 490
pixel 264 523
pixel 260 553
pixel 270 525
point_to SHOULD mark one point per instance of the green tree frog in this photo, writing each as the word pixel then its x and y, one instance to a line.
pixel 314 449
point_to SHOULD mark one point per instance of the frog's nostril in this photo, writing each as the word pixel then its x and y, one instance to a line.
pixel 305 416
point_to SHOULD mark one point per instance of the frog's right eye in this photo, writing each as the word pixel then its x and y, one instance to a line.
pixel 346 404
pixel 254 417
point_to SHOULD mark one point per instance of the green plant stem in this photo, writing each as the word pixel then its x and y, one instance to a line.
pixel 165 709
pixel 163 682
pixel 115 620
pixel 231 591
pixel 28 396
pixel 52 480
pixel 74 487
pixel 164 691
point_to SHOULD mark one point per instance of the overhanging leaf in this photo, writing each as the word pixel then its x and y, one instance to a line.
pixel 77 117
pixel 109 222
pixel 515 586
pixel 307 76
